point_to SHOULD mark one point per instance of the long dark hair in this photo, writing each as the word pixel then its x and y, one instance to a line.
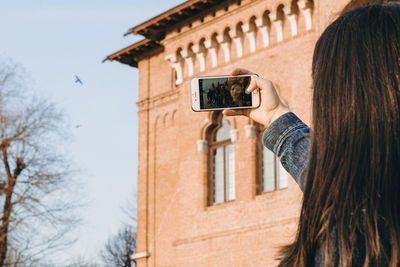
pixel 351 203
pixel 353 4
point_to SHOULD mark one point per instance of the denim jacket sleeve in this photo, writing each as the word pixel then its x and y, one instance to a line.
pixel 289 138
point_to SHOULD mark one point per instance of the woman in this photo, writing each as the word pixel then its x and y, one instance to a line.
pixel 237 91
pixel 351 207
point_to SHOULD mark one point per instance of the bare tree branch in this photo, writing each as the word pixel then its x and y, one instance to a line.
pixel 34 173
pixel 119 248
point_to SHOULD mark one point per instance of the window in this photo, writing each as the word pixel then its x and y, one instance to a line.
pixel 221 172
pixel 274 175
pixel 271 174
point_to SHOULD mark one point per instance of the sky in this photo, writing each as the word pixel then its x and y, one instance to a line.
pixel 55 39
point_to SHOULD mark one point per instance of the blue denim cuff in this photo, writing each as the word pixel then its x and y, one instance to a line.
pixel 275 134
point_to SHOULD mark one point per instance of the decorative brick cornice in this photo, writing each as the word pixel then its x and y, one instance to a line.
pixel 270 20
pixel 159 100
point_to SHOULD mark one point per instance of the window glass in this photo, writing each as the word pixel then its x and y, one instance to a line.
pixel 219 175
pixel 230 171
pixel 268 170
pixel 224 132
pixel 282 175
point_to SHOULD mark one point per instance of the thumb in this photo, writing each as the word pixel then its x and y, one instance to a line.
pixel 235 112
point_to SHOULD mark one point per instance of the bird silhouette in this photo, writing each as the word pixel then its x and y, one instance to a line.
pixel 77 80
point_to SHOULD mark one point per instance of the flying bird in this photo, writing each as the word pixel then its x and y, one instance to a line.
pixel 77 80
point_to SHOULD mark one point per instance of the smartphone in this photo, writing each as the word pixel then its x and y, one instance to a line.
pixel 222 92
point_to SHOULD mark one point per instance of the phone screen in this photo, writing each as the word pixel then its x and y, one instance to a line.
pixel 224 92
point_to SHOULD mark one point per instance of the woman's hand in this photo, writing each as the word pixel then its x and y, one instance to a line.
pixel 271 106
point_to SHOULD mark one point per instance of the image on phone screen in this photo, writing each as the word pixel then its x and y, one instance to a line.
pixel 224 92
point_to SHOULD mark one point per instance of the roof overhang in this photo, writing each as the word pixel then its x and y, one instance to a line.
pixel 132 54
pixel 155 29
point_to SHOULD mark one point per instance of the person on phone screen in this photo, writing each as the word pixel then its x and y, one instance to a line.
pixel 237 88
pixel 348 165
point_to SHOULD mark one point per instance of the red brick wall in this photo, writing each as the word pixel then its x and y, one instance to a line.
pixel 175 225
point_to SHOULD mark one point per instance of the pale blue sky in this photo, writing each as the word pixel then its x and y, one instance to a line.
pixel 55 39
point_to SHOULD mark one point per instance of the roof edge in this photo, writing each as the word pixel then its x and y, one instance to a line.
pixel 171 17
pixel 147 23
pixel 132 54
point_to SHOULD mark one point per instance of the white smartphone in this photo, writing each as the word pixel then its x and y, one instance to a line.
pixel 223 92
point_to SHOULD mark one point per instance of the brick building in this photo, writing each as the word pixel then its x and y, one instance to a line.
pixel 208 193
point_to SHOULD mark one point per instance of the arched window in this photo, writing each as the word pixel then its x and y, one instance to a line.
pixel 271 174
pixel 221 162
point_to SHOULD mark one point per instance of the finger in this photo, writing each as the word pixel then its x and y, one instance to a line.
pixel 234 112
pixel 254 84
pixel 258 83
pixel 240 71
